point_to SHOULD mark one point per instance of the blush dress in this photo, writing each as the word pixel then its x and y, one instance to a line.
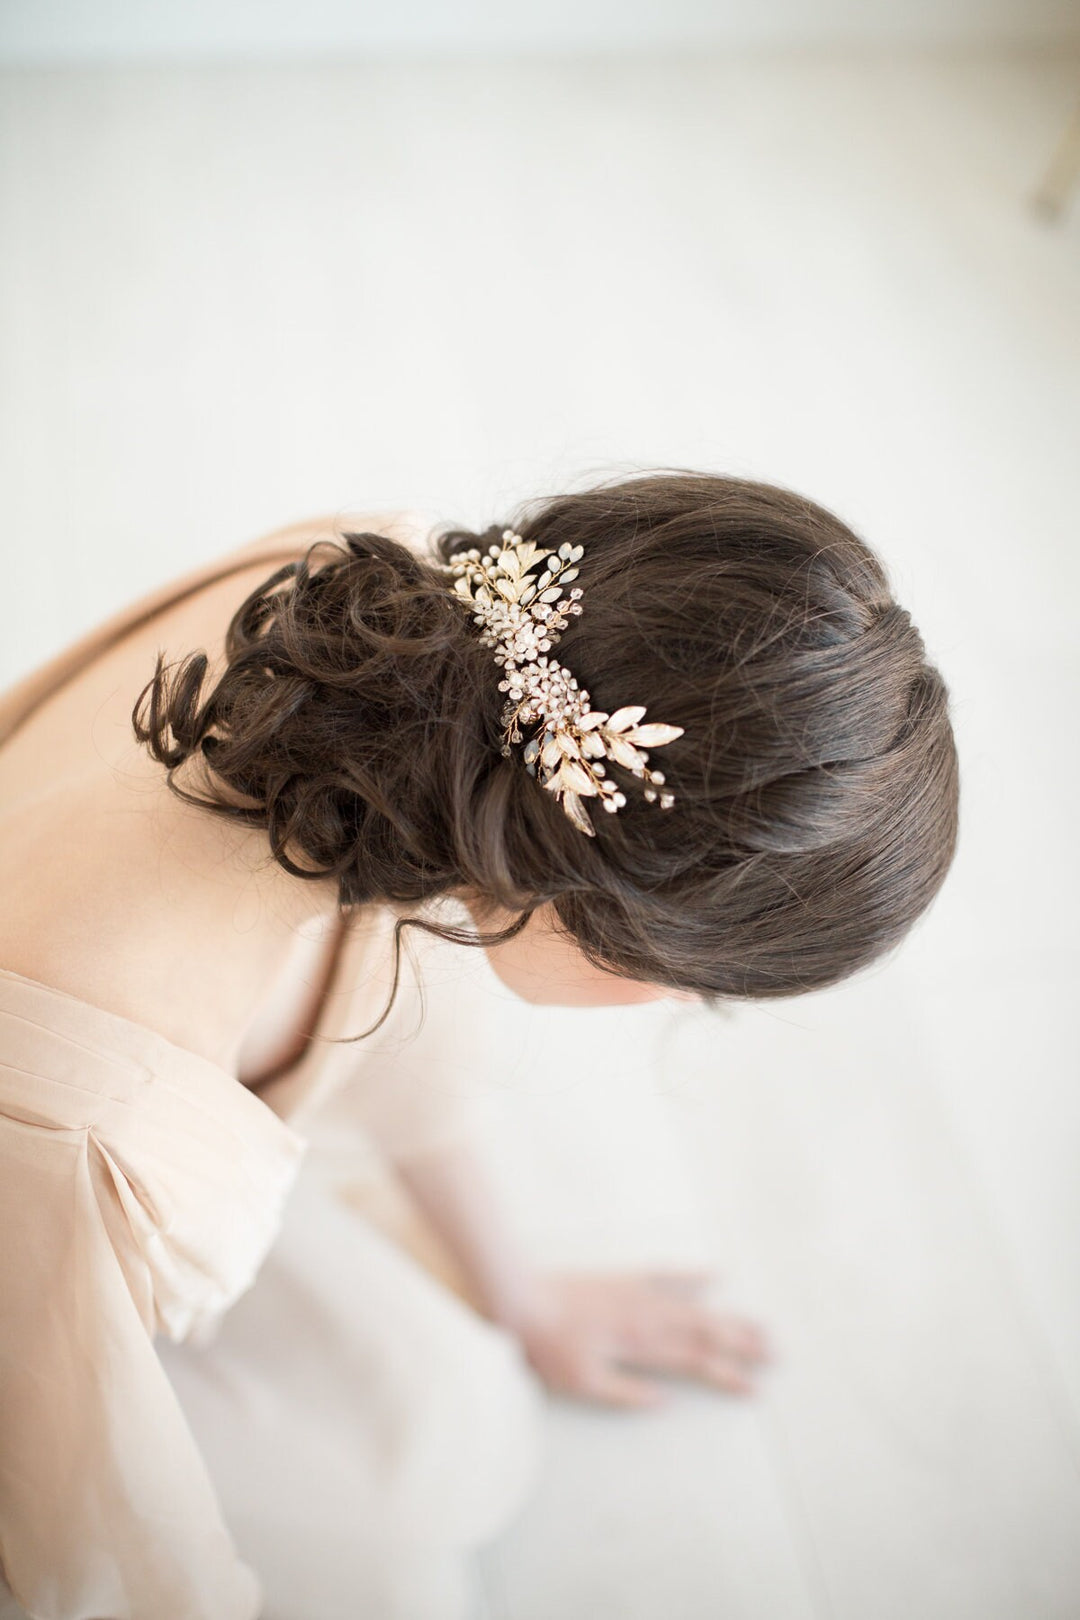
pixel 224 1393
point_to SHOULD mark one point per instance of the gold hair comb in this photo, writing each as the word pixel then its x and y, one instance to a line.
pixel 522 618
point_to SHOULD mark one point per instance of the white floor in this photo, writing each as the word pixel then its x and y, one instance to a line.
pixel 231 298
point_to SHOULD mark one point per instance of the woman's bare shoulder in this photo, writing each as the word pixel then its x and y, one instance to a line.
pixel 116 891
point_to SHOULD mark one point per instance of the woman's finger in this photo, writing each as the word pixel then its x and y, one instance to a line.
pixel 727 1374
pixel 687 1357
pixel 734 1335
pixel 693 1344
pixel 715 1331
pixel 724 1332
pixel 688 1281
pixel 615 1387
pixel 692 1355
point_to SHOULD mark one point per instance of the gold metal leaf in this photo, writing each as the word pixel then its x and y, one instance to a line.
pixel 577 813
pixel 576 778
pixel 568 744
pixel 622 718
pixel 551 753
pixel 528 555
pixel 653 735
pixel 507 588
pixel 593 717
pixel 621 751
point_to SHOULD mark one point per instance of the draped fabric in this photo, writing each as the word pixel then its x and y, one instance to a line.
pixel 140 1191
pixel 141 1187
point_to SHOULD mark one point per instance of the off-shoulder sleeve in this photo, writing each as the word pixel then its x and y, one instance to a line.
pixel 106 1508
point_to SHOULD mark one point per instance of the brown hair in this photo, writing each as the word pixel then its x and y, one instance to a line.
pixel 815 783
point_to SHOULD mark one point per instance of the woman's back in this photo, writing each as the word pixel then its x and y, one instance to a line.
pixel 121 894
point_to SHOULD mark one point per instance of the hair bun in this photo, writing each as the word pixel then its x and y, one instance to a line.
pixel 816 787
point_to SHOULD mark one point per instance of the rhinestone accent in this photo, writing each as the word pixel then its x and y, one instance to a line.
pixel 521 618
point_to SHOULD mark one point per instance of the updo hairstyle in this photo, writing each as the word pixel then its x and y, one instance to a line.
pixel 358 722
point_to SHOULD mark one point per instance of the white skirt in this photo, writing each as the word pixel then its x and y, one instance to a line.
pixel 366 1430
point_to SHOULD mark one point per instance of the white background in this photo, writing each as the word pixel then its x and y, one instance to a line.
pixel 235 294
pixel 50 30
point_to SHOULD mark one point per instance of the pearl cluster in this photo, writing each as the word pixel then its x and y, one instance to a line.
pixel 521 618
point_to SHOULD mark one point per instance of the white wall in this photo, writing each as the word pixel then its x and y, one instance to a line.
pixel 99 30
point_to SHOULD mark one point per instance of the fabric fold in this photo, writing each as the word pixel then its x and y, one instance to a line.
pixel 190 1169
pixel 141 1190
pixel 142 1186
pixel 106 1505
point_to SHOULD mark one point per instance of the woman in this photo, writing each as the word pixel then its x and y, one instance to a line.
pixel 337 754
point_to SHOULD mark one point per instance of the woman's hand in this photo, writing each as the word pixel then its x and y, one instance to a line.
pixel 582 1331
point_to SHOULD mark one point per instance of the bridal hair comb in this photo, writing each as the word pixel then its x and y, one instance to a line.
pixel 522 617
